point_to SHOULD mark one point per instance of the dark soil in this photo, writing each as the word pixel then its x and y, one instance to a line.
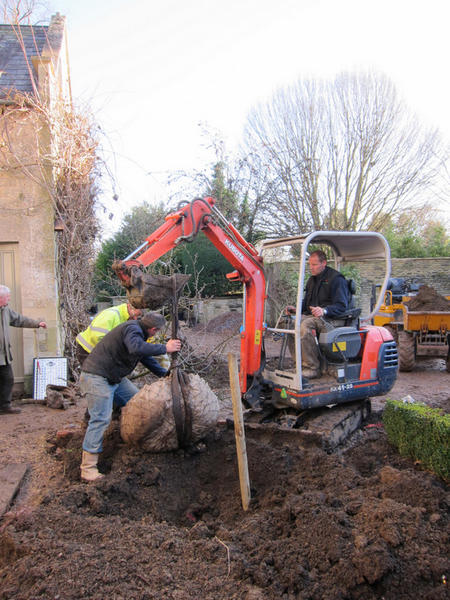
pixel 428 299
pixel 228 323
pixel 361 523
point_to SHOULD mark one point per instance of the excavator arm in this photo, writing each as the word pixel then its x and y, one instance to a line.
pixel 183 226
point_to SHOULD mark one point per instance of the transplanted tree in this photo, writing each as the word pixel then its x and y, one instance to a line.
pixel 339 154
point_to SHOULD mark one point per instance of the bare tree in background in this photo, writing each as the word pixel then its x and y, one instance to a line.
pixel 17 11
pixel 339 154
pixel 239 183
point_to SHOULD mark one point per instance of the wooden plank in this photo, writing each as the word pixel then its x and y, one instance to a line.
pixel 11 478
pixel 239 431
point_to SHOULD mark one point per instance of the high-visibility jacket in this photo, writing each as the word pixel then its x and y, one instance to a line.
pixel 162 359
pixel 102 324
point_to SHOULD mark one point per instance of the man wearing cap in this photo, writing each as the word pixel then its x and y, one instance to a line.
pixel 104 380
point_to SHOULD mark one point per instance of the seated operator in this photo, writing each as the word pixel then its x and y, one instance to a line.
pixel 326 297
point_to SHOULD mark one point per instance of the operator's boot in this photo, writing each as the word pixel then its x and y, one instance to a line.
pixel 89 471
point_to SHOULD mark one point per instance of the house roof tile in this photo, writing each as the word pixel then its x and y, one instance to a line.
pixel 16 67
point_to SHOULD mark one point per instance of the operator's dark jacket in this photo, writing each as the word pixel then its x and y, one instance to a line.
pixel 117 354
pixel 328 290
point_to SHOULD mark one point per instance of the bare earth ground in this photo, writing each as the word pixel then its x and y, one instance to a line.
pixel 363 522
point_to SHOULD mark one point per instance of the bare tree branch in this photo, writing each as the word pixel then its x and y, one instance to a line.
pixel 341 154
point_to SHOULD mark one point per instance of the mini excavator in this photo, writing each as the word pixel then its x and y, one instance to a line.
pixel 359 360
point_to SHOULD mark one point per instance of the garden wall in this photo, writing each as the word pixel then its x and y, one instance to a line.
pixel 434 272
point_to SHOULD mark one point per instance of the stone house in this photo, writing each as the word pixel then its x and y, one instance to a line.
pixel 33 60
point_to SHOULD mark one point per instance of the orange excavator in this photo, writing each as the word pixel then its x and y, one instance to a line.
pixel 359 360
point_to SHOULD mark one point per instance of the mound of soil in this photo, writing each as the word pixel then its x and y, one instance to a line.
pixel 228 323
pixel 428 299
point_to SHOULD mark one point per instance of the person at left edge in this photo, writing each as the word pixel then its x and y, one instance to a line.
pixel 9 317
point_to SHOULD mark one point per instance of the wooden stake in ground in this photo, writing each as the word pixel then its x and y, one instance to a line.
pixel 239 431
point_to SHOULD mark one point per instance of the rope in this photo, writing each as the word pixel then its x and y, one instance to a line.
pixel 180 403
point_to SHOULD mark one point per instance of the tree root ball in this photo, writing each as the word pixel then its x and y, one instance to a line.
pixel 147 420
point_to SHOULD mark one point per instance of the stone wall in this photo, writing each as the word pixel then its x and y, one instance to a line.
pixel 434 272
pixel 212 307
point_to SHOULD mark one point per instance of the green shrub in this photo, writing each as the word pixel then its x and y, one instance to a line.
pixel 420 432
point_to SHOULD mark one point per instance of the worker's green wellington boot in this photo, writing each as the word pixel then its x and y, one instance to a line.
pixel 89 471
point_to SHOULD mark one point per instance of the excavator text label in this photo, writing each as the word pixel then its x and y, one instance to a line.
pixel 234 250
pixel 342 387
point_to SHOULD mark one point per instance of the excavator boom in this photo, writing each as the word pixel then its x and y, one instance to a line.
pixel 183 226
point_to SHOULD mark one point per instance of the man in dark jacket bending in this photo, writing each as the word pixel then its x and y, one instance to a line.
pixel 326 297
pixel 103 379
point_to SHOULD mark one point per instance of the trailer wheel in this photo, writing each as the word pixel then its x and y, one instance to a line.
pixel 406 351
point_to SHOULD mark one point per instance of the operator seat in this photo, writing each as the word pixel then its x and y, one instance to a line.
pixel 351 317
pixel 342 343
pixel 348 332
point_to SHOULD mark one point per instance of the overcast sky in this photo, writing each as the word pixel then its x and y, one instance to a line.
pixel 153 70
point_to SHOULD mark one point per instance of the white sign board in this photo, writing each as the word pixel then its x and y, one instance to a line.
pixel 48 371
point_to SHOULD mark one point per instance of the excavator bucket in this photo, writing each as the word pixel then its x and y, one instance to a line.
pixel 147 290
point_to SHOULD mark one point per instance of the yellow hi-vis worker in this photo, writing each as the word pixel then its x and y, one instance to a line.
pixel 104 322
pixel 162 359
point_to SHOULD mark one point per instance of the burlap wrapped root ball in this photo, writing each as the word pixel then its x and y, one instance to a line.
pixel 147 420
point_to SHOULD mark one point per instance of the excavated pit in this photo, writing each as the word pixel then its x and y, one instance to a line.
pixel 358 524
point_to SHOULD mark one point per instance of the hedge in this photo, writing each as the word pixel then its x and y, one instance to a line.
pixel 420 432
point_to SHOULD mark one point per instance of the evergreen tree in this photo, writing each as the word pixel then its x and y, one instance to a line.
pixel 137 225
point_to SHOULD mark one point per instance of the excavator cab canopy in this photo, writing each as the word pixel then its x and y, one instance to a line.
pixel 286 267
pixel 345 247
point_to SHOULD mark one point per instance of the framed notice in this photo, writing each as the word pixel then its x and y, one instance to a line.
pixel 48 371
